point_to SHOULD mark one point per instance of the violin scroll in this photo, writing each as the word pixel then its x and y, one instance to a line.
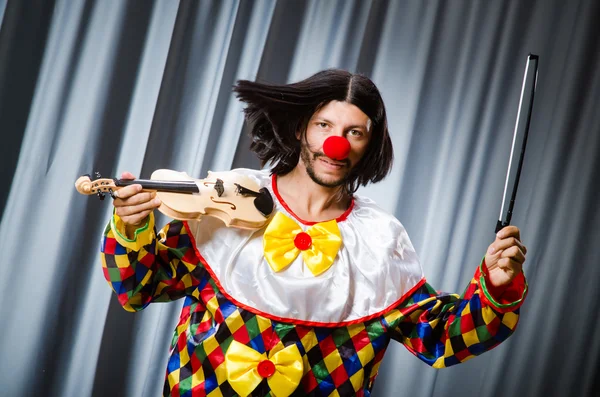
pixel 99 186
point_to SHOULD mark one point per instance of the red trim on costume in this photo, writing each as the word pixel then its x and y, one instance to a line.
pixel 339 219
pixel 294 320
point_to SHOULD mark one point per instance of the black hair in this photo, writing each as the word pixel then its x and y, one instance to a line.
pixel 276 113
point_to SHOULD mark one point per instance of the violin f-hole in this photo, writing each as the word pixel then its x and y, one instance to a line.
pixel 233 207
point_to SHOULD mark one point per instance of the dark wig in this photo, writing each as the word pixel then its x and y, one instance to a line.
pixel 276 112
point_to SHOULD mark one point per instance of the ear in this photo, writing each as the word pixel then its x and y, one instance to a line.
pixel 298 135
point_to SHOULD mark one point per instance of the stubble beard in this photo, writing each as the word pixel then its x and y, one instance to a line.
pixel 308 158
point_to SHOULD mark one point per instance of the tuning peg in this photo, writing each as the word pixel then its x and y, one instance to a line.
pixel 97 175
pixel 100 195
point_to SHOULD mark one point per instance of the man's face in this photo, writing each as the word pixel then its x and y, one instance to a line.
pixel 340 119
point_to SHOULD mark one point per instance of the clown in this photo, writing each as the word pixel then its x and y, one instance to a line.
pixel 307 304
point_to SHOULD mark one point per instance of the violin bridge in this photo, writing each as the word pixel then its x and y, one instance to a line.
pixel 219 187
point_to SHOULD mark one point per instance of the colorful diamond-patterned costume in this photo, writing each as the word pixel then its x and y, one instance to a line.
pixel 251 328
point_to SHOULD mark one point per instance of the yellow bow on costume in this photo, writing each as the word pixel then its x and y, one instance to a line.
pixel 284 239
pixel 246 368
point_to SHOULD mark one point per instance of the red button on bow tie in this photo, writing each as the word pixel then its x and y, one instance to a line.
pixel 266 368
pixel 303 241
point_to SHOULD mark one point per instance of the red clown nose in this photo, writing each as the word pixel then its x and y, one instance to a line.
pixel 336 147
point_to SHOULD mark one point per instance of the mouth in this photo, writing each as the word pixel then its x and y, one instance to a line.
pixel 332 164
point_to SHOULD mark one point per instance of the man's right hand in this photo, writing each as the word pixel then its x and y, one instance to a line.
pixel 133 206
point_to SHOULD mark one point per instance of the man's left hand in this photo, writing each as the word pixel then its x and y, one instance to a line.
pixel 505 256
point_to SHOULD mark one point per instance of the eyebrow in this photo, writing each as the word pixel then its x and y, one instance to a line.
pixel 321 119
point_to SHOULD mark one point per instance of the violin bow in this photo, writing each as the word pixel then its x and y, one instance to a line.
pixel 529 85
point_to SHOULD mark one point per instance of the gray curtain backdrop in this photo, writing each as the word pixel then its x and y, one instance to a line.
pixel 116 85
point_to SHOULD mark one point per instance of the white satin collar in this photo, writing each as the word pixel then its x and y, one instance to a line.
pixel 375 269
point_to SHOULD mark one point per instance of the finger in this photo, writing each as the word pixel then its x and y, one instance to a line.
pixel 127 175
pixel 508 264
pixel 506 243
pixel 136 199
pixel 514 253
pixel 137 219
pixel 130 210
pixel 509 231
pixel 126 192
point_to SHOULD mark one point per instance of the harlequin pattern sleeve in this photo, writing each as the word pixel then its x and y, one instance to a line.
pixel 447 329
pixel 149 268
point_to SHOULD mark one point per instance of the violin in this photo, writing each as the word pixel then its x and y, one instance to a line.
pixel 233 198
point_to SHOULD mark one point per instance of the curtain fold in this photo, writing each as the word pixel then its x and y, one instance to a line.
pixel 116 85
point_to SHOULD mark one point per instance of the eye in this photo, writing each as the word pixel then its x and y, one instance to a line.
pixel 355 133
pixel 322 124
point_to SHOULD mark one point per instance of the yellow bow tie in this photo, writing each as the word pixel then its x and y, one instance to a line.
pixel 246 368
pixel 284 239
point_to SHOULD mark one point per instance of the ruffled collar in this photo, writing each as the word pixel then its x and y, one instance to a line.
pixel 376 267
